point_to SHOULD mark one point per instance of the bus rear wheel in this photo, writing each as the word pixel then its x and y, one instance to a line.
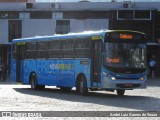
pixel 82 86
pixel 120 92
pixel 33 82
pixel 34 85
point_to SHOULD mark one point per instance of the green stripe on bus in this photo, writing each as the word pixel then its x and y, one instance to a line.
pixel 21 43
pixel 96 37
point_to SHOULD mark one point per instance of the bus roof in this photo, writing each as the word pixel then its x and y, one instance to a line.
pixel 70 35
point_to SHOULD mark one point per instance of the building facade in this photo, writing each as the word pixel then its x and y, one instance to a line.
pixel 20 19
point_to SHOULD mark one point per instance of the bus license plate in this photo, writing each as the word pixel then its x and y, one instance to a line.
pixel 128 85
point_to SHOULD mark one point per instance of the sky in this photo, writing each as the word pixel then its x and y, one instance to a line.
pixel 97 0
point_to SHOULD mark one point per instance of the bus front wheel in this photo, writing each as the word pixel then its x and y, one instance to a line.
pixel 120 92
pixel 82 86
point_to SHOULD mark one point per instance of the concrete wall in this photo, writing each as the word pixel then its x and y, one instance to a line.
pixel 38 27
pixel 88 25
pixel 78 6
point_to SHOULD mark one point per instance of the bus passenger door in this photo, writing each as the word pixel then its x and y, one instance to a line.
pixel 96 62
pixel 20 49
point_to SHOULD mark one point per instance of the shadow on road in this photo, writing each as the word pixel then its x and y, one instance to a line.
pixel 153 82
pixel 144 103
pixel 150 82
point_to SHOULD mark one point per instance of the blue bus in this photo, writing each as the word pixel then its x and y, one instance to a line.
pixel 100 60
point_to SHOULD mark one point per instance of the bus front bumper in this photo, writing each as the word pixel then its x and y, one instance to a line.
pixel 123 83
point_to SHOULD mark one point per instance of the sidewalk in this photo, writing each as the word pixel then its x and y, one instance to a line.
pixel 8 81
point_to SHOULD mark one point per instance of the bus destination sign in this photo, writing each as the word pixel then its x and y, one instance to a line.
pixel 126 36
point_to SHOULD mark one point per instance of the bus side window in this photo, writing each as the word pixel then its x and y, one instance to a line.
pixel 55 49
pixel 82 48
pixel 30 50
pixel 42 49
pixel 69 49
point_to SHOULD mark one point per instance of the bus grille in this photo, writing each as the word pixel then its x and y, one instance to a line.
pixel 128 85
pixel 127 78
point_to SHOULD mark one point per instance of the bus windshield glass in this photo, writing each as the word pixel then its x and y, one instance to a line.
pixel 125 55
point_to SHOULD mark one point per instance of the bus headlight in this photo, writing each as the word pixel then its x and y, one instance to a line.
pixel 113 78
pixel 142 78
pixel 105 74
pixel 109 76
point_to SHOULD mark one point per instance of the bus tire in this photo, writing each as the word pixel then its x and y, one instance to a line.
pixel 81 86
pixel 33 82
pixel 120 92
pixel 34 85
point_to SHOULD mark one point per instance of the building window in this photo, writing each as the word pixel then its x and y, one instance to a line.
pixel 9 15
pixel 134 14
pixel 125 14
pixel 41 15
pixel 143 14
pixel 62 26
pixel 85 15
pixel 15 29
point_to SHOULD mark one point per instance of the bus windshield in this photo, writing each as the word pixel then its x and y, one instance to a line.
pixel 125 55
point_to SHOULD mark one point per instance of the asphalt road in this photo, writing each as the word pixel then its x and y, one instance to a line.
pixel 16 97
